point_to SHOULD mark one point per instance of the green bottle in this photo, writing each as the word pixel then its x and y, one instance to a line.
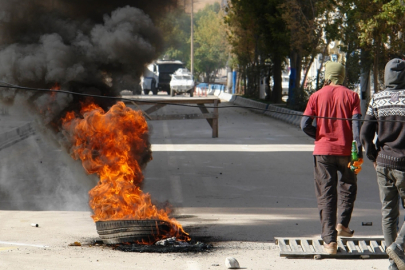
pixel 354 151
pixel 354 156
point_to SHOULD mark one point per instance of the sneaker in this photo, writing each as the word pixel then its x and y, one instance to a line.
pixel 343 231
pixel 397 254
pixel 392 266
pixel 331 248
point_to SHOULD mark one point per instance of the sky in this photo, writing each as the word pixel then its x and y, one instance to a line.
pixel 198 4
pixel 201 3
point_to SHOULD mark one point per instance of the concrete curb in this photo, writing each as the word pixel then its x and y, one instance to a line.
pixel 286 115
pixel 15 135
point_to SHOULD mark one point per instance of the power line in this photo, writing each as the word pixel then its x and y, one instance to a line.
pixel 9 85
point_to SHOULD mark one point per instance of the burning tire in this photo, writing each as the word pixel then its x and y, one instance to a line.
pixel 122 231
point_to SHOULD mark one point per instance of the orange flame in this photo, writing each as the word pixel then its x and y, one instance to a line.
pixel 113 145
pixel 52 97
pixel 56 86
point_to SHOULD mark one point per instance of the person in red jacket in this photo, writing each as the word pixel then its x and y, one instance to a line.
pixel 385 117
pixel 334 106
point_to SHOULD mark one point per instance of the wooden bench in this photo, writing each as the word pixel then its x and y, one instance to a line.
pixel 158 102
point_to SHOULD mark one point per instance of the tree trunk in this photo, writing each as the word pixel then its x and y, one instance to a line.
pixel 277 79
pixel 268 88
pixel 295 76
pixel 244 81
pixel 365 80
pixel 318 72
pixel 375 70
pixel 307 68
pixel 299 69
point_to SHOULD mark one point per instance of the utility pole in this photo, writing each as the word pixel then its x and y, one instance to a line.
pixel 192 38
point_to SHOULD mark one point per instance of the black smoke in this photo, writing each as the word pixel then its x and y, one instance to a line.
pixel 87 46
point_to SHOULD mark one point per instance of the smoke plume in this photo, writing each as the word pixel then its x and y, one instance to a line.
pixel 96 47
pixel 85 46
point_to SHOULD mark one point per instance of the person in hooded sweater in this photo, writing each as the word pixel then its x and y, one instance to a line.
pixel 337 112
pixel 385 117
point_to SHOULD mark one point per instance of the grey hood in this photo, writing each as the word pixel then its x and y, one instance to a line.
pixel 394 77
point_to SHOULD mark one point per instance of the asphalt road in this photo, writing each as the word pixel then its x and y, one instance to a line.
pixel 237 192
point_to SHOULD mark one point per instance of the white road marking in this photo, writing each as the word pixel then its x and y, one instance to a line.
pixel 22 244
pixel 232 147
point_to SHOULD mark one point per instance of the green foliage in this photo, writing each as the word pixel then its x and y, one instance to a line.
pixel 260 42
pixel 353 69
pixel 302 94
pixel 301 97
pixel 379 26
pixel 211 48
pixel 263 33
pixel 175 27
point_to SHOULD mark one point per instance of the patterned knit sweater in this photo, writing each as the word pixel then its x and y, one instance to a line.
pixel 388 149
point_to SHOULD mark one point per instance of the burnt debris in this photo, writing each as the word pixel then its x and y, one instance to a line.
pixel 169 245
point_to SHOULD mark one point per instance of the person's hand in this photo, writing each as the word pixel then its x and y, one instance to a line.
pixel 355 166
pixel 375 165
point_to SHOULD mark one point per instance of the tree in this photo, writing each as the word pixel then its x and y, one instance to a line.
pixel 241 29
pixel 175 27
pixel 313 24
pixel 381 28
pixel 260 43
pixel 211 48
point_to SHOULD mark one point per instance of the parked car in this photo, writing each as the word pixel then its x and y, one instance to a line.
pixel 156 76
pixel 181 82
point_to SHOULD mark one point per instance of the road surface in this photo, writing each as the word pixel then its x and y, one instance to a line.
pixel 237 192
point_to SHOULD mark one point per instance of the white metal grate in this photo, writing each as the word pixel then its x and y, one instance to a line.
pixel 347 247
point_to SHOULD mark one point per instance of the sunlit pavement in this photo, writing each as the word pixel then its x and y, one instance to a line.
pixel 238 192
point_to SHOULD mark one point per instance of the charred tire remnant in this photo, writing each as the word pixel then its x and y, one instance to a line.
pixel 121 231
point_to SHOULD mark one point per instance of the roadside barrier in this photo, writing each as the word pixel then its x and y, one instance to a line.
pixel 202 91
pixel 210 89
pixel 286 115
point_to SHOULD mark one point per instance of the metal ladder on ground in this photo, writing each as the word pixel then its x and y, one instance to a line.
pixel 362 247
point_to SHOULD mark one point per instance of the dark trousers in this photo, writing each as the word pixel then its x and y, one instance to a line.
pixel 391 184
pixel 335 196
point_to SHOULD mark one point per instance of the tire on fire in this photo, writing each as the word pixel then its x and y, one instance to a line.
pixel 121 231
